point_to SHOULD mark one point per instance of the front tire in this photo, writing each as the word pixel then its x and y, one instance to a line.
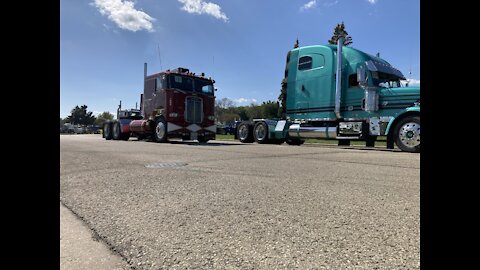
pixel 202 139
pixel 260 132
pixel 294 141
pixel 407 134
pixel 160 132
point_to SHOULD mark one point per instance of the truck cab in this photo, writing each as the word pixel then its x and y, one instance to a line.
pixel 342 93
pixel 181 104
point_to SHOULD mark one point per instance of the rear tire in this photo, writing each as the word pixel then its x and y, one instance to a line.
pixel 107 131
pixel 160 132
pixel 260 132
pixel 117 131
pixel 244 133
pixel 407 134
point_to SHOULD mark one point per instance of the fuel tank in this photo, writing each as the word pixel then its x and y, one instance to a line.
pixel 140 126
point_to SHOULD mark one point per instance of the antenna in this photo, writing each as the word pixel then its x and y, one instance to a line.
pixel 159 56
pixel 213 66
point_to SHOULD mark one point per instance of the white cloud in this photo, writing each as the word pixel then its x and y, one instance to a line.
pixel 411 82
pixel 124 14
pixel 202 7
pixel 372 1
pixel 309 5
pixel 245 100
pixel 331 3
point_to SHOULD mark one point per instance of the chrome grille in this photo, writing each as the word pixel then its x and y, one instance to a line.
pixel 193 110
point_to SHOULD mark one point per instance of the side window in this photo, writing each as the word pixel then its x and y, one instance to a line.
pixel 304 63
pixel 319 61
pixel 160 83
pixel 352 80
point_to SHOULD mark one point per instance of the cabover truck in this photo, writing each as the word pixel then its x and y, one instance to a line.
pixel 174 104
pixel 338 92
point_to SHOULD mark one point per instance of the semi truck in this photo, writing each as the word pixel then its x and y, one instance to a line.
pixel 175 104
pixel 342 93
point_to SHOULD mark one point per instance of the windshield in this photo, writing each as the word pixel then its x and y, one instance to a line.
pixel 182 83
pixel 385 80
pixel 190 84
pixel 205 87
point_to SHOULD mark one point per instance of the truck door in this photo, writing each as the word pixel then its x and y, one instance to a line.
pixel 313 85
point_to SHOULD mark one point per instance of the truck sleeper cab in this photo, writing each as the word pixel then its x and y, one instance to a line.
pixel 366 100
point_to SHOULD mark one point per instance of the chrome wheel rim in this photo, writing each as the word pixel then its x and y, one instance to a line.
pixel 260 132
pixel 243 132
pixel 160 130
pixel 116 130
pixel 410 134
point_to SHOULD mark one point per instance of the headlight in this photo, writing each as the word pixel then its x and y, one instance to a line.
pixel 211 117
pixel 173 114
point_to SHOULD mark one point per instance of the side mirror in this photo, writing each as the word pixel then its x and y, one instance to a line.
pixel 361 76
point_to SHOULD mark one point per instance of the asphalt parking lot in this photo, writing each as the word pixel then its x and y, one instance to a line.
pixel 227 205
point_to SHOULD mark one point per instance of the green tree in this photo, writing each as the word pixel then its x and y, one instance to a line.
pixel 80 116
pixel 340 31
pixel 269 109
pixel 242 113
pixel 61 122
pixel 282 98
pixel 224 110
pixel 103 117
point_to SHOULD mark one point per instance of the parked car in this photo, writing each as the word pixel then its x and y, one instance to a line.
pixel 231 128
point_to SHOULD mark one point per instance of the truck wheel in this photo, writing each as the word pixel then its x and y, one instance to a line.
pixel 202 139
pixel 107 131
pixel 125 136
pixel 244 133
pixel 260 132
pixel 294 141
pixel 370 141
pixel 407 134
pixel 117 131
pixel 160 132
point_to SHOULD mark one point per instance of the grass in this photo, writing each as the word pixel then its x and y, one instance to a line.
pixel 225 137
pixel 381 140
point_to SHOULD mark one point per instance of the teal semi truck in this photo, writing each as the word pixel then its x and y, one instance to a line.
pixel 338 92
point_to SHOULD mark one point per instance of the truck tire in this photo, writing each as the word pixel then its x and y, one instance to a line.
pixel 294 141
pixel 160 131
pixel 202 139
pixel 407 134
pixel 244 133
pixel 125 136
pixel 107 131
pixel 343 142
pixel 370 141
pixel 117 131
pixel 260 132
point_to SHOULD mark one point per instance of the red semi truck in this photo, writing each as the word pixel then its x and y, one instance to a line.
pixel 175 104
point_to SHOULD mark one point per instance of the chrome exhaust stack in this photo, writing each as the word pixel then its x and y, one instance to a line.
pixel 338 90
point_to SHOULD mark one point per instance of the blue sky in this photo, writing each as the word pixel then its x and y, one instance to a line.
pixel 242 44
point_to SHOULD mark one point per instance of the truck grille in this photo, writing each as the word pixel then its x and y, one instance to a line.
pixel 193 110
